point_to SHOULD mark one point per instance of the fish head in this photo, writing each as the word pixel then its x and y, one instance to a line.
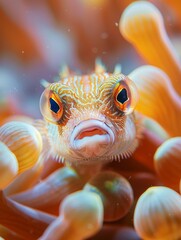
pixel 90 117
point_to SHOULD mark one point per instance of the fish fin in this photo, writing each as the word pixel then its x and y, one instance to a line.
pixel 44 83
pixel 99 66
pixel 117 69
pixel 64 71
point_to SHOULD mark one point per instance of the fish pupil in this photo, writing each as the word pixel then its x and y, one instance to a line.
pixel 54 106
pixel 122 97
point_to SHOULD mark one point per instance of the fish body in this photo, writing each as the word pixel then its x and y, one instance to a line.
pixel 90 117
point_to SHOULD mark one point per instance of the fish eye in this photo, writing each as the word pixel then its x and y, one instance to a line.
pixel 125 95
pixel 54 107
pixel 122 96
pixel 51 106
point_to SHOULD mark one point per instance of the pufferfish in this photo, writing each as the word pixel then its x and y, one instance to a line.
pixel 91 118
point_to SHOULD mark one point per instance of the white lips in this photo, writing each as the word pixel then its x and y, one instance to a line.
pixel 88 125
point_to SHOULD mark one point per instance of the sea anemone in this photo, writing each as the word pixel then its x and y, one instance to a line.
pixel 158 214
pixel 42 199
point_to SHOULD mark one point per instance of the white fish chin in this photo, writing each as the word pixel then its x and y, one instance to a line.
pixel 91 138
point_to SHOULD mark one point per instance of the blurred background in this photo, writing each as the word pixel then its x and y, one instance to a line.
pixel 38 37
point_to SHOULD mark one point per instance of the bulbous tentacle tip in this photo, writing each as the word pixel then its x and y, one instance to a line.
pixel 24 141
pixel 25 180
pixel 80 206
pixel 84 212
pixel 158 99
pixel 142 25
pixel 115 191
pixel 158 214
pixel 167 162
pixel 81 216
pixel 8 166
pixel 136 11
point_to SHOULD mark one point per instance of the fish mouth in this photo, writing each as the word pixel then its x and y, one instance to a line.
pixel 91 133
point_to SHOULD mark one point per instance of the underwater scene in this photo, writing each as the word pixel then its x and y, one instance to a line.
pixel 90 120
